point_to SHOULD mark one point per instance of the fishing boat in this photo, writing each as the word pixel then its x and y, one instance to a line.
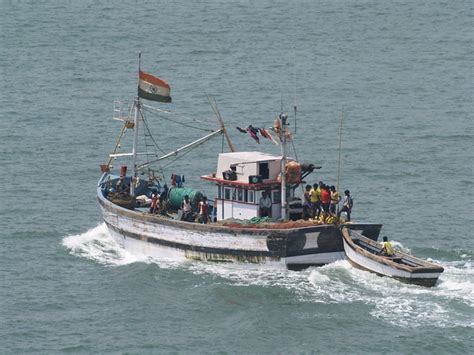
pixel 366 254
pixel 237 231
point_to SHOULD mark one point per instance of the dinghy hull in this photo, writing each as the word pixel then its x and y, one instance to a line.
pixel 420 273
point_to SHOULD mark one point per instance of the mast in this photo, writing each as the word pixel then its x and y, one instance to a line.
pixel 284 204
pixel 136 108
pixel 135 144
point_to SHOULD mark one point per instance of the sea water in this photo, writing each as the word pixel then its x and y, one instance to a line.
pixel 400 72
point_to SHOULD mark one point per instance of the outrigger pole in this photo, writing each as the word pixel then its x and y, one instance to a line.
pixel 215 108
pixel 185 148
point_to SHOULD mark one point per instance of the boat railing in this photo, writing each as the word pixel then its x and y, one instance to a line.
pixel 122 110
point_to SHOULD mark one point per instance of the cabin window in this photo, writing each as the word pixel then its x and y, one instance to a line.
pixel 234 194
pixel 251 198
pixel 246 195
pixel 264 171
pixel 219 191
pixel 240 195
pixel 227 193
pixel 276 196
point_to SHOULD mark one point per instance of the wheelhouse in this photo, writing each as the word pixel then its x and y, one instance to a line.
pixel 241 178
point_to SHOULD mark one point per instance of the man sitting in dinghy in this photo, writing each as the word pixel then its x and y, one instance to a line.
pixel 387 248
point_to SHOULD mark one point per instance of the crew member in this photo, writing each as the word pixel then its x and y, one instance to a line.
pixel 335 198
pixel 325 198
pixel 314 198
pixel 307 202
pixel 155 200
pixel 265 205
pixel 187 210
pixel 347 204
pixel 387 248
pixel 203 211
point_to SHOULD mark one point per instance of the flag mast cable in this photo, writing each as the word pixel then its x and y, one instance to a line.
pixel 136 108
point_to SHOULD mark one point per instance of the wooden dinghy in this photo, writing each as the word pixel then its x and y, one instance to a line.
pixel 364 253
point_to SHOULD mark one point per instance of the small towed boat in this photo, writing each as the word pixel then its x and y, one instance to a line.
pixel 364 253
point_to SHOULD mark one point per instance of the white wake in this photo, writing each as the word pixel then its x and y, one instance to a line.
pixel 448 304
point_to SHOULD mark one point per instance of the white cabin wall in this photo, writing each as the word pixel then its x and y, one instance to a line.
pixel 228 208
pixel 274 169
pixel 249 170
pixel 244 210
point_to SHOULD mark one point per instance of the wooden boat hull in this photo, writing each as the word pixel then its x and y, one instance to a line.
pixel 296 248
pixel 424 274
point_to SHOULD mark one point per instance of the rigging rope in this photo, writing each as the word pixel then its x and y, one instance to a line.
pixel 177 158
pixel 172 113
pixel 117 142
pixel 149 132
pixel 180 123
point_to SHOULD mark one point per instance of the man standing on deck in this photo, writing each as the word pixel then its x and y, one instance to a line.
pixel 265 205
pixel 155 200
pixel 346 205
pixel 203 211
pixel 315 201
pixel 335 198
pixel 187 210
pixel 325 196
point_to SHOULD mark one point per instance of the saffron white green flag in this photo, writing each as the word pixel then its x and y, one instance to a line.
pixel 152 88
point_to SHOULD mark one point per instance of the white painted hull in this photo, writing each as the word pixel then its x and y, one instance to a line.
pixel 152 236
pixel 244 243
pixel 157 252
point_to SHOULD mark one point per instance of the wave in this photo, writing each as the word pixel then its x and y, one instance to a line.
pixel 98 245
pixel 448 304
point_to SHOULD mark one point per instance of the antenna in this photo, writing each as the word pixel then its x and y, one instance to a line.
pixel 294 78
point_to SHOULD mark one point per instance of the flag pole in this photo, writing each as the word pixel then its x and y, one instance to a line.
pixel 139 70
pixel 135 132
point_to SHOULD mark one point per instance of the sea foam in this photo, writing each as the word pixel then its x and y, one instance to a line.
pixel 389 300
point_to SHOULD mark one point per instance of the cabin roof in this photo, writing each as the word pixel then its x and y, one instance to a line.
pixel 249 156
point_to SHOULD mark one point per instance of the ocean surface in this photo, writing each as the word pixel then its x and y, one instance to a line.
pixel 402 73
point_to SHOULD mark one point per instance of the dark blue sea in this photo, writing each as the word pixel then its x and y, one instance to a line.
pixel 402 73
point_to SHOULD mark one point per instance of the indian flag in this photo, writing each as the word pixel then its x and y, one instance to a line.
pixel 152 88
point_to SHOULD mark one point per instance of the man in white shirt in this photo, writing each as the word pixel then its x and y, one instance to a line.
pixel 265 205
pixel 187 210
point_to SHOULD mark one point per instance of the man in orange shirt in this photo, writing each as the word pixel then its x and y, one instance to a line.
pixel 325 198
